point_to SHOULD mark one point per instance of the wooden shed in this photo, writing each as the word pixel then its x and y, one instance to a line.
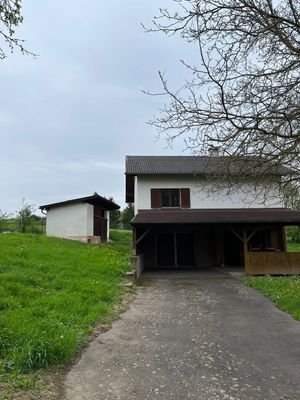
pixel 85 218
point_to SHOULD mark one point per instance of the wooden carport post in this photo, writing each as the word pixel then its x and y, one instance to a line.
pixel 245 247
pixel 134 241
pixel 284 239
pixel 245 239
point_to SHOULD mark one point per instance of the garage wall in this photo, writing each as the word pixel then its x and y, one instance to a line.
pixel 203 192
pixel 206 250
pixel 204 243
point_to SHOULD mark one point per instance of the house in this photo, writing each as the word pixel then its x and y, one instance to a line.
pixel 85 219
pixel 186 217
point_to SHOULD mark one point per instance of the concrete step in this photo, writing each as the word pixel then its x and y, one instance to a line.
pixel 131 276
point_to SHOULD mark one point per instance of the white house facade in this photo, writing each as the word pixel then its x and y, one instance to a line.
pixel 209 193
pixel 187 215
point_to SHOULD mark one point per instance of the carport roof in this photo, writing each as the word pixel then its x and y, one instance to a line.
pixel 283 216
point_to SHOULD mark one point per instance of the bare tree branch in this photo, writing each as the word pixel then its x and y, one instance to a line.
pixel 10 19
pixel 244 94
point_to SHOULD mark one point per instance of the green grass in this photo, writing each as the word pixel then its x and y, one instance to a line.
pixel 121 237
pixel 293 234
pixel 294 247
pixel 284 291
pixel 52 293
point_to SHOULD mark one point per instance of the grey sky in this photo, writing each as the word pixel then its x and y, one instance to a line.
pixel 68 118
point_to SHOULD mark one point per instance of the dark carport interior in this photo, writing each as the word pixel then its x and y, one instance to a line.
pixel 209 238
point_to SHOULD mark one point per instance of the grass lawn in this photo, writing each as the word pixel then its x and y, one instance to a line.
pixel 284 291
pixel 294 247
pixel 52 293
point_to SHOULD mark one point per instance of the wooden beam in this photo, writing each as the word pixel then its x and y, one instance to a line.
pixel 245 247
pixel 242 238
pixel 134 241
pixel 237 235
pixel 143 235
pixel 254 232
pixel 284 238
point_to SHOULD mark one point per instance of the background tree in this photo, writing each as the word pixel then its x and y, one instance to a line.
pixel 115 216
pixel 243 95
pixel 292 200
pixel 10 18
pixel 127 215
pixel 292 197
pixel 25 217
pixel 3 221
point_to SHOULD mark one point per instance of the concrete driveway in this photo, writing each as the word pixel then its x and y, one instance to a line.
pixel 200 336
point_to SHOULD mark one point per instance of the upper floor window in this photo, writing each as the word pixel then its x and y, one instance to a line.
pixel 170 198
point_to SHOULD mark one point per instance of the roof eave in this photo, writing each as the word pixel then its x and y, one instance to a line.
pixel 103 202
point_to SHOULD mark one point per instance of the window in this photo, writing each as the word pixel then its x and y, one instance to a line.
pixel 170 198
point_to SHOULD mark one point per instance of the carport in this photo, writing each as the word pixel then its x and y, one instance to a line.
pixel 182 238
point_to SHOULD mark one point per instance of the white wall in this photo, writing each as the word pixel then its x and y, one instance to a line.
pixel 90 220
pixel 70 220
pixel 136 194
pixel 204 193
pixel 107 216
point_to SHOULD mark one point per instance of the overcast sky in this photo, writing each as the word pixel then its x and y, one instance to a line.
pixel 69 117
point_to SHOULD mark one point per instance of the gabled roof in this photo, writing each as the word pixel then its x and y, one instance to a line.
pixel 95 200
pixel 201 165
pixel 281 216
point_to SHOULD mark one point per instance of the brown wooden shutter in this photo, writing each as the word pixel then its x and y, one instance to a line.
pixel 155 198
pixel 129 189
pixel 185 198
pixel 98 216
pixel 103 230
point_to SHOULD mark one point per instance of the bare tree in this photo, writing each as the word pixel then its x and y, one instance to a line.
pixel 10 18
pixel 292 197
pixel 243 96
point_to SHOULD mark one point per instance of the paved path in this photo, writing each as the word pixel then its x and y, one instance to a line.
pixel 200 337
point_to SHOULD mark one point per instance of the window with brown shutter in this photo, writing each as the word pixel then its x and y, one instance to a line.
pixel 155 198
pixel 170 198
pixel 185 198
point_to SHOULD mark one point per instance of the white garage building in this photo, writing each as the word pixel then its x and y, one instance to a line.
pixel 85 219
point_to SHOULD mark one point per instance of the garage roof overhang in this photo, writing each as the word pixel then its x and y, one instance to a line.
pixel 282 216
